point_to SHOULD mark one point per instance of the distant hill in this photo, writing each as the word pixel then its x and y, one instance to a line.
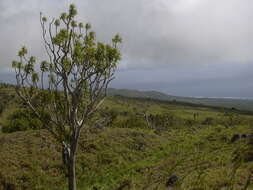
pixel 243 104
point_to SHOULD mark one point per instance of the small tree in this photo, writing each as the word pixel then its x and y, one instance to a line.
pixel 67 89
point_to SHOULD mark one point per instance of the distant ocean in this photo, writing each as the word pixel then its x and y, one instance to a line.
pixel 214 97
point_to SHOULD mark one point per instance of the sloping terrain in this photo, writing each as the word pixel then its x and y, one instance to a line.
pixel 243 104
pixel 117 158
pixel 32 160
pixel 184 147
pixel 191 143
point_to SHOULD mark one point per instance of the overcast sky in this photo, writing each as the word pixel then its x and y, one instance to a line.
pixel 181 47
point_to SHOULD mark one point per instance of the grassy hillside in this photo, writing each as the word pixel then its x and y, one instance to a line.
pixel 242 104
pixel 189 141
pixel 8 101
pixel 32 160
pixel 118 158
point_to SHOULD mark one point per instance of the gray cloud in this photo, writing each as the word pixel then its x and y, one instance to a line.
pixel 179 46
pixel 189 31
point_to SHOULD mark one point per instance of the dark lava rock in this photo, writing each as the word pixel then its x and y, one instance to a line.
pixel 171 181
pixel 248 157
pixel 124 185
pixel 236 137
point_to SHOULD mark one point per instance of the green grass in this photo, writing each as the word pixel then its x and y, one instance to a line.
pixel 136 156
pixel 108 158
pixel 32 158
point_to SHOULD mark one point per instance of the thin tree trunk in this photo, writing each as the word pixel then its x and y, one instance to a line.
pixel 72 172
pixel 72 160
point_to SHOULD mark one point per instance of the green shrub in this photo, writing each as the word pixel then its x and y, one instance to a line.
pixel 231 119
pixel 108 115
pixel 165 120
pixel 132 121
pixel 21 120
pixel 190 122
pixel 209 121
pixel 1 108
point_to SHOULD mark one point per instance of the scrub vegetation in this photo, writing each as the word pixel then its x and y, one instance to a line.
pixel 131 144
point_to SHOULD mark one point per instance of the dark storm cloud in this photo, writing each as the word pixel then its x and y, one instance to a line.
pixel 177 46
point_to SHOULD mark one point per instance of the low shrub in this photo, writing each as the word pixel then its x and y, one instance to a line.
pixel 21 120
pixel 132 121
pixel 209 121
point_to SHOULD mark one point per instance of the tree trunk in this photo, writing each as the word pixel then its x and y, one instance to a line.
pixel 72 172
pixel 72 161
